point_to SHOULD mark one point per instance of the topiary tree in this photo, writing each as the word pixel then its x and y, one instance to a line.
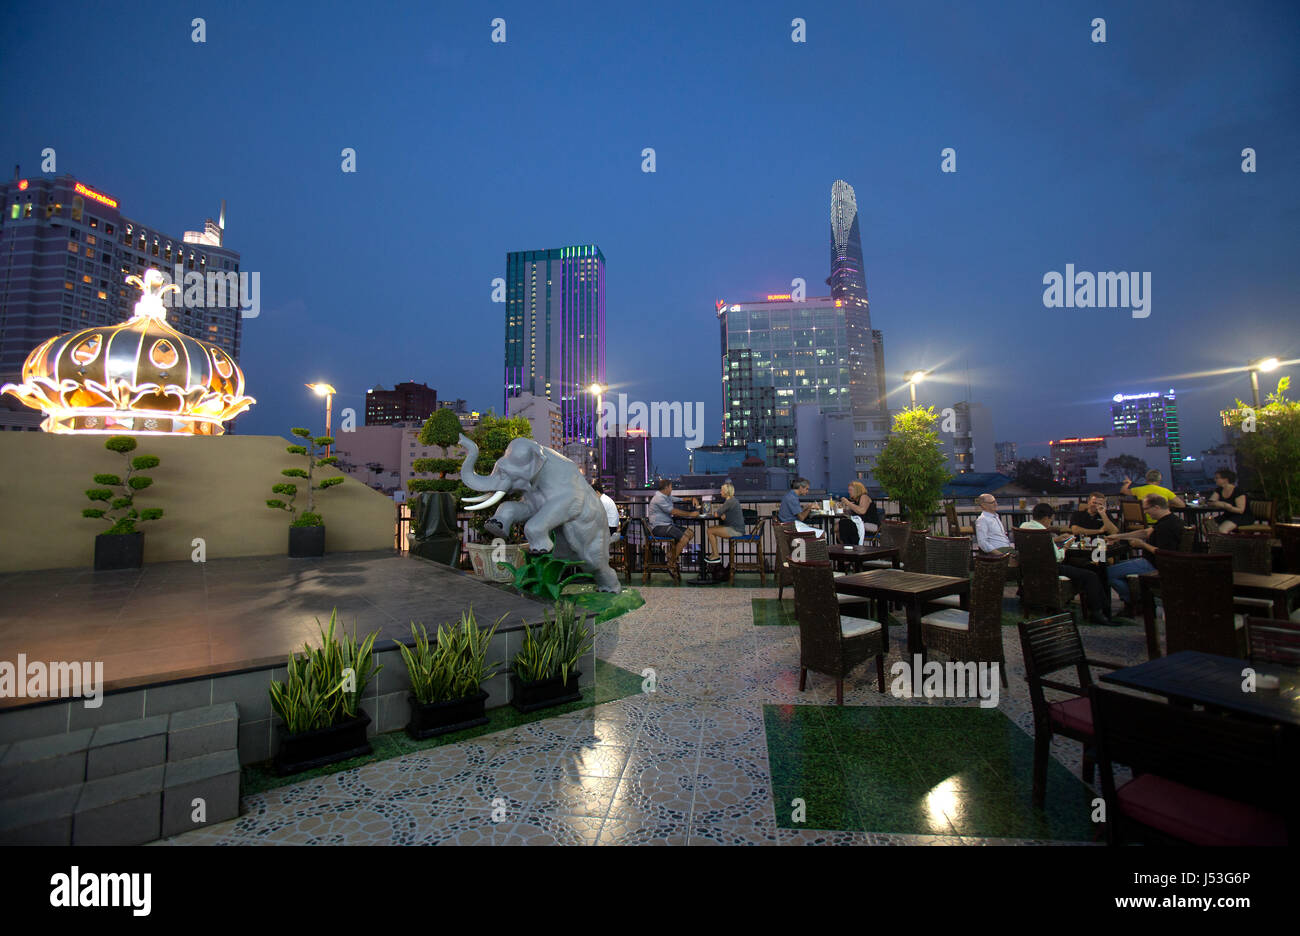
pixel 912 467
pixel 121 512
pixel 1268 443
pixel 442 429
pixel 312 450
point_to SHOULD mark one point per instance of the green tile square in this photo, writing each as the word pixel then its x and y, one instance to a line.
pixel 773 612
pixel 797 726
pixel 792 765
pixel 825 807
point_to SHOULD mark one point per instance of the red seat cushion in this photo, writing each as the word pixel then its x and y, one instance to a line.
pixel 1196 816
pixel 1073 715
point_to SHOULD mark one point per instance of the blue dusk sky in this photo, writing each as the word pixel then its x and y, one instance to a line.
pixel 1122 156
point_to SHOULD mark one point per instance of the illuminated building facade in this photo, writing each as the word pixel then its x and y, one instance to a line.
pixel 848 283
pixel 1153 416
pixel 627 460
pixel 1071 459
pixel 555 332
pixel 65 252
pixel 406 402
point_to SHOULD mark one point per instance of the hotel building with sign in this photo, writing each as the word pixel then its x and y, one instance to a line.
pixel 1152 416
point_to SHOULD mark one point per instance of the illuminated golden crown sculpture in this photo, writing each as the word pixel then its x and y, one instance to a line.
pixel 139 378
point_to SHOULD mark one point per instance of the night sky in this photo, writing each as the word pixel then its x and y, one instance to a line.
pixel 1117 156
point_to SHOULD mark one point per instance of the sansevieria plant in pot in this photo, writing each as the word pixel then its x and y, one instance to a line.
pixel 447 676
pixel 545 668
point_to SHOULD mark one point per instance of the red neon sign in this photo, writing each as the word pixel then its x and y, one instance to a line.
pixel 1064 441
pixel 773 297
pixel 22 185
pixel 97 196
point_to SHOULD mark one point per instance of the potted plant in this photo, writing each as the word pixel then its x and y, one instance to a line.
pixel 319 701
pixel 121 546
pixel 911 466
pixel 447 677
pixel 544 668
pixel 434 533
pixel 307 530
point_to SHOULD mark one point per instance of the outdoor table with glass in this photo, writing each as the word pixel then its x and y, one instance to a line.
pixel 855 556
pixel 1276 587
pixel 910 589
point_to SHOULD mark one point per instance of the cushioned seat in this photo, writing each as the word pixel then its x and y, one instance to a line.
pixel 855 627
pixel 951 618
pixel 1197 816
pixel 1073 715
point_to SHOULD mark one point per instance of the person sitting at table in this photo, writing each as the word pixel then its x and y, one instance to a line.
pixel 1166 534
pixel 861 516
pixel 661 511
pixel 990 537
pixel 1092 519
pixel 733 524
pixel 790 511
pixel 1231 498
pixel 1086 580
pixel 1153 486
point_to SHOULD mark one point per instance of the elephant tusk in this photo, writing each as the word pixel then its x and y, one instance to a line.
pixel 489 502
pixel 481 497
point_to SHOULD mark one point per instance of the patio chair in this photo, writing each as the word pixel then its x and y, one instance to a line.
pixel 955 527
pixel 914 551
pixel 1269 640
pixel 753 534
pixel 892 533
pixel 654 554
pixel 1262 517
pixel 1050 645
pixel 828 643
pixel 815 551
pixel 947 555
pixel 1044 590
pixel 1289 535
pixel 620 551
pixel 1200 778
pixel 975 634
pixel 1132 516
pixel 1197 594
pixel 1250 552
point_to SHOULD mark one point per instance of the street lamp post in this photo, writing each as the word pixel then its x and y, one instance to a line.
pixel 325 390
pixel 598 392
pixel 1266 365
pixel 913 378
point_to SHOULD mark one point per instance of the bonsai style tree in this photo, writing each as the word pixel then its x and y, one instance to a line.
pixel 121 512
pixel 1269 444
pixel 911 466
pixel 312 450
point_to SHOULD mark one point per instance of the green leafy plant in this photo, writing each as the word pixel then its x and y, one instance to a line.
pixel 545 576
pixel 1269 445
pixel 554 648
pixel 912 467
pixel 443 430
pixel 324 685
pixel 121 512
pixel 315 459
pixel 455 665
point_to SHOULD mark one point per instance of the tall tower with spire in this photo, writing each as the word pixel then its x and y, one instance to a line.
pixel 848 283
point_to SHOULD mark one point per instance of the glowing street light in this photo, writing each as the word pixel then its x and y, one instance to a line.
pixel 598 392
pixel 1266 365
pixel 913 378
pixel 325 390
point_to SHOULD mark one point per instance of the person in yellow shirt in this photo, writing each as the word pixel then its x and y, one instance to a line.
pixel 1142 491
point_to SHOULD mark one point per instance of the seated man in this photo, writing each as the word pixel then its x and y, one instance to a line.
pixel 660 514
pixel 790 511
pixel 990 537
pixel 1092 519
pixel 1152 486
pixel 1085 580
pixel 1167 533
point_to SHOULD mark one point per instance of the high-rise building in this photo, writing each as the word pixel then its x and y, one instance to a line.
pixel 65 252
pixel 543 418
pixel 848 283
pixel 969 446
pixel 555 332
pixel 1153 416
pixel 627 460
pixel 1006 458
pixel 406 402
pixel 1071 459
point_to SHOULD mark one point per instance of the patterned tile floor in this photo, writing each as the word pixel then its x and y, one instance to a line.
pixel 714 755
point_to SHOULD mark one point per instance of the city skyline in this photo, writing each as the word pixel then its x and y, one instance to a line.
pixel 387 273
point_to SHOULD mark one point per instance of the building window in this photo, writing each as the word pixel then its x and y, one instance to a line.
pixel 77 207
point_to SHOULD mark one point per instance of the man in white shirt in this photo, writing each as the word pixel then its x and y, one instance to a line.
pixel 611 509
pixel 989 534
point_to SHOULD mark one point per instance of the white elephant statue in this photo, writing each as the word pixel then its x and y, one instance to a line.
pixel 556 499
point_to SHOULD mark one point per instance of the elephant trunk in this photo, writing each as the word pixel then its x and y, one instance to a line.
pixel 468 476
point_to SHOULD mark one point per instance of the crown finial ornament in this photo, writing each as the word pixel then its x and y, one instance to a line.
pixel 141 377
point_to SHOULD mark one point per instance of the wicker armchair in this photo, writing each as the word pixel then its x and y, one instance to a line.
pixel 783 532
pixel 620 551
pixel 1250 552
pixel 1272 641
pixel 947 555
pixel 827 643
pixel 1289 534
pixel 914 551
pixel 955 527
pixel 1197 595
pixel 975 634
pixel 1050 645
pixel 815 551
pixel 1262 517
pixel 1044 589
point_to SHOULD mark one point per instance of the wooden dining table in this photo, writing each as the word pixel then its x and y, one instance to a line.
pixel 855 556
pixel 910 589
pixel 1276 587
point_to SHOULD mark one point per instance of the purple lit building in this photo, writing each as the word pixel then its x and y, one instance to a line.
pixel 555 332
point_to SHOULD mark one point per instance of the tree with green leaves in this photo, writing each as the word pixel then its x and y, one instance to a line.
pixel 1268 443
pixel 442 429
pixel 121 512
pixel 1123 466
pixel 912 467
pixel 313 451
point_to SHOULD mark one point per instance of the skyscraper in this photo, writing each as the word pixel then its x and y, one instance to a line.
pixel 555 332
pixel 848 283
pixel 1153 416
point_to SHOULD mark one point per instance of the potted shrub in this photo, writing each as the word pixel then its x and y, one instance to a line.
pixel 319 701
pixel 544 669
pixel 121 546
pixel 434 533
pixel 307 529
pixel 447 677
pixel 911 466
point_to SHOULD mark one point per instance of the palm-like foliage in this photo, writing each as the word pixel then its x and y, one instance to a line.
pixel 324 684
pixel 454 665
pixel 555 648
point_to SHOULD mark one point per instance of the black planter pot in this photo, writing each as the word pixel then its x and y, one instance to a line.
pixel 543 693
pixel 309 749
pixel 430 719
pixel 306 542
pixel 119 551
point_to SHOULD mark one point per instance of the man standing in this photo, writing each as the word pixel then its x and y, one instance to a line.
pixel 1167 534
pixel 661 513
pixel 1085 580
pixel 989 534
